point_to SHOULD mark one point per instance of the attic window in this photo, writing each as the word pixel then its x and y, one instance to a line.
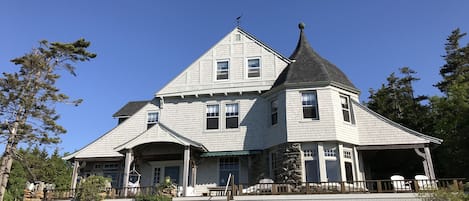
pixel 152 119
pixel 237 37
pixel 254 67
pixel 222 70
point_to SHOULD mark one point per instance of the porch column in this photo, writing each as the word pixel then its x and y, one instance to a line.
pixel 128 161
pixel 358 165
pixel 185 173
pixel 194 174
pixel 322 163
pixel 76 165
pixel 340 155
pixel 428 158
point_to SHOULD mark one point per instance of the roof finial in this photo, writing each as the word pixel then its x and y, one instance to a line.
pixel 301 25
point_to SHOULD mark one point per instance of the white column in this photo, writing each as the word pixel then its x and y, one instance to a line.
pixel 428 158
pixel 340 158
pixel 322 163
pixel 185 173
pixel 76 165
pixel 128 161
pixel 194 174
pixel 358 166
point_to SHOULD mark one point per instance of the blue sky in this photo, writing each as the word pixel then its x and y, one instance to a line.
pixel 142 45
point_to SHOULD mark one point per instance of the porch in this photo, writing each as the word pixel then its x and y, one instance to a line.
pixel 371 189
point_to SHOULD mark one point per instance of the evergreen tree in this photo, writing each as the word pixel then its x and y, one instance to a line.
pixel 28 98
pixel 396 101
pixel 452 109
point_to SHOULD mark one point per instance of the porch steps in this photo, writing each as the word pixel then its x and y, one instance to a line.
pixel 315 197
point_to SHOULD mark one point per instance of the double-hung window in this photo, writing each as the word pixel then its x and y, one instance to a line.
pixel 310 105
pixel 223 68
pixel 273 111
pixel 213 115
pixel 345 102
pixel 152 119
pixel 254 67
pixel 231 113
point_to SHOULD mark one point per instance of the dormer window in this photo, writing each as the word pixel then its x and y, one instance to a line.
pixel 254 67
pixel 345 103
pixel 310 105
pixel 152 119
pixel 223 69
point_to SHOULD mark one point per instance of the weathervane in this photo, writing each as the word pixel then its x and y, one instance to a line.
pixel 238 20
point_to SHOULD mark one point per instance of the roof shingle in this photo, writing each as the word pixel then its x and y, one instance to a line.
pixel 311 69
pixel 130 108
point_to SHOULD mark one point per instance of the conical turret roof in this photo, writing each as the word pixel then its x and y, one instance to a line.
pixel 308 68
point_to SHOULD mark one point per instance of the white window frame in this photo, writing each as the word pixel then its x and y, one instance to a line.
pixel 231 116
pixel 316 106
pixel 215 70
pixel 345 109
pixel 259 67
pixel 151 122
pixel 207 117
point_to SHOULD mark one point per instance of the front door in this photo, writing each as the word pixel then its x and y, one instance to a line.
pixel 312 173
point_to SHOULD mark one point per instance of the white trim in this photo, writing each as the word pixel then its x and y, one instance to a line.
pixel 246 68
pixel 215 69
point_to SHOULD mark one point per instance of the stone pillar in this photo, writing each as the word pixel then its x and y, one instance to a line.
pixel 128 161
pixel 185 173
pixel 322 163
pixel 76 166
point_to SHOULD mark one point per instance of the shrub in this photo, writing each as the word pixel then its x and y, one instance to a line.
pixel 91 188
pixel 152 198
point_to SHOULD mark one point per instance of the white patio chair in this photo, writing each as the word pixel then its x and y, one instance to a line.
pixel 425 183
pixel 399 184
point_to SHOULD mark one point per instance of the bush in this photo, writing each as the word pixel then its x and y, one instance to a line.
pixel 450 194
pixel 91 189
pixel 152 198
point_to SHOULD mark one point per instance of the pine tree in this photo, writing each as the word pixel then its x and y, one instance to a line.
pixel 452 109
pixel 28 98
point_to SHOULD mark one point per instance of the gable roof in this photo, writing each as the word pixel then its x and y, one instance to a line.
pixel 130 108
pixel 308 68
pixel 159 133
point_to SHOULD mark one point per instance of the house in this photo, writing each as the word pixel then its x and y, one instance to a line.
pixel 243 108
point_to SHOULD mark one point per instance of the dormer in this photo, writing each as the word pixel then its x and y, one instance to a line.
pixel 128 110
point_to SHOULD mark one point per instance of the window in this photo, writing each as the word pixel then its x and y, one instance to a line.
pixel 310 105
pixel 309 153
pixel 330 152
pixel 348 172
pixel 348 154
pixel 152 119
pixel 222 70
pixel 273 111
pixel 212 116
pixel 345 102
pixel 231 114
pixel 254 68
pixel 156 176
pixel 228 165
pixel 237 37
